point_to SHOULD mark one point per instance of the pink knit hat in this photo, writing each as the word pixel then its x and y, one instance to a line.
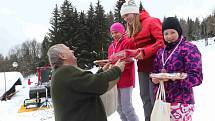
pixel 117 27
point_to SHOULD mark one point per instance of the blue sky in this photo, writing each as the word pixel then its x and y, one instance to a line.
pixel 21 20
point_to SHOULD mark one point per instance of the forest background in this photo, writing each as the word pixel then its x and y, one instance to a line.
pixel 88 34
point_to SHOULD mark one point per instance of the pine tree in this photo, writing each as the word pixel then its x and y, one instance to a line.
pixel 196 29
pixel 2 63
pixel 110 18
pixel 100 29
pixel 66 22
pixel 190 24
pixel 54 32
pixel 83 33
pixel 184 27
pixel 85 60
pixel 44 49
pixel 91 26
pixel 72 40
pixel 110 21
pixel 141 6
pixel 54 36
pixel 117 15
pixel 210 23
pixel 1 57
pixel 204 29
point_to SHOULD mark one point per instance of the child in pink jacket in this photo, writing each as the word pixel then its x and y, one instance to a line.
pixel 127 79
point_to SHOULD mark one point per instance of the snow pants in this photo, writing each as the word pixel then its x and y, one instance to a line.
pixel 181 112
pixel 125 107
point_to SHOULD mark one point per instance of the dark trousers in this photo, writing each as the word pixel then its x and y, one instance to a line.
pixel 146 93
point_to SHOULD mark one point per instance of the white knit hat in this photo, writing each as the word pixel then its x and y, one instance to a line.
pixel 129 7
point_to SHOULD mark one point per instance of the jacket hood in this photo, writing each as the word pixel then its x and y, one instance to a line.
pixel 143 15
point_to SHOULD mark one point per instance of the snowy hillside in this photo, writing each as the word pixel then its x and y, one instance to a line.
pixel 203 95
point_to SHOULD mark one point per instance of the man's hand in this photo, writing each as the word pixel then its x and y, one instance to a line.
pixel 101 63
pixel 106 66
pixel 120 64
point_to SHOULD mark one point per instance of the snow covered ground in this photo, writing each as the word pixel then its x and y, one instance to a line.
pixel 203 95
pixel 10 78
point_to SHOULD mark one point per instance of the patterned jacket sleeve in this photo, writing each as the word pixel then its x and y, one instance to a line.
pixel 193 67
pixel 156 63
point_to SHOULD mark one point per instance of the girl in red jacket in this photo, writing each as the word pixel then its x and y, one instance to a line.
pixel 126 81
pixel 145 38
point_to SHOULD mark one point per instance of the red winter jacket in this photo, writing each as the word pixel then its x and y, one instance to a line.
pixel 128 75
pixel 149 40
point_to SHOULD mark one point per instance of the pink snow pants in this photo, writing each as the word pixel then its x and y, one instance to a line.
pixel 181 112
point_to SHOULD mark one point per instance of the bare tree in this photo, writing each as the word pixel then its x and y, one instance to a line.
pixel 27 55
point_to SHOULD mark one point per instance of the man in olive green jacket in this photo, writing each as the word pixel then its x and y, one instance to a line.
pixel 76 92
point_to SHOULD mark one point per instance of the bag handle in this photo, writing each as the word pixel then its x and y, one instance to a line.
pixel 161 92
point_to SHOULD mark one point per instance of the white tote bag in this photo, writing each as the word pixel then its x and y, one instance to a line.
pixel 161 109
pixel 109 100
